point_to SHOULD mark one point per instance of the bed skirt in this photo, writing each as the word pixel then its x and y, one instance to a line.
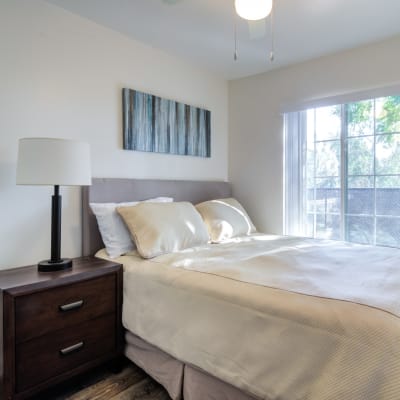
pixel 182 381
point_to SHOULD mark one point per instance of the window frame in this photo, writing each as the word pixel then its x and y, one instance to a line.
pixel 298 153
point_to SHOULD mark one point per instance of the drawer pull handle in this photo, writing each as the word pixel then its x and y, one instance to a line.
pixel 71 306
pixel 71 349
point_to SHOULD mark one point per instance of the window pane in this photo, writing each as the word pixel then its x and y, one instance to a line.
pixel 360 195
pixel 356 182
pixel 310 171
pixel 388 231
pixel 328 158
pixel 360 156
pixel 388 195
pixel 387 114
pixel 360 229
pixel 360 118
pixel 328 226
pixel 327 195
pixel 328 122
pixel 387 154
pixel 388 201
pixel 390 181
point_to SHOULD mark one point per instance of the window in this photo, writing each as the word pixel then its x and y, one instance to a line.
pixel 343 172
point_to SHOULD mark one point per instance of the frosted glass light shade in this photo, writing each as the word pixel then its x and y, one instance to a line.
pixel 48 161
pixel 253 10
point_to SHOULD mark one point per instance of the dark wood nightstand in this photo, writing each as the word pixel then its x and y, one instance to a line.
pixel 58 324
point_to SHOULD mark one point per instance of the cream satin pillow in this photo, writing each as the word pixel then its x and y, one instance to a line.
pixel 225 219
pixel 160 228
pixel 115 235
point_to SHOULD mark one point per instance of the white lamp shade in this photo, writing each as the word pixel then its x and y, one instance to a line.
pixel 48 161
pixel 253 10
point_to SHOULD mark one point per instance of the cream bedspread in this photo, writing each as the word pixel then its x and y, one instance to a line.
pixel 260 313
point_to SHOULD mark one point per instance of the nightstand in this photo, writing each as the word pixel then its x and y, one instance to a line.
pixel 58 324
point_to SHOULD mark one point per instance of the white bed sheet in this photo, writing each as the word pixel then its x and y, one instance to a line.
pixel 202 308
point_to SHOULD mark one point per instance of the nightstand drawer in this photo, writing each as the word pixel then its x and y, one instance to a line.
pixel 53 309
pixel 42 358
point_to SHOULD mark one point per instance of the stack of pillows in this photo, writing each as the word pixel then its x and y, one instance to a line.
pixel 159 226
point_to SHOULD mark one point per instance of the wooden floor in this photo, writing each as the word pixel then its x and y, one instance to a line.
pixel 101 384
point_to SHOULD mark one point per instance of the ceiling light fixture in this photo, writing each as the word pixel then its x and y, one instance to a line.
pixel 253 10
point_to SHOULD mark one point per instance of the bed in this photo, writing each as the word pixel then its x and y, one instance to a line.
pixel 207 324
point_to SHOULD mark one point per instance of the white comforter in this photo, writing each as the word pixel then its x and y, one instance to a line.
pixel 337 270
pixel 282 318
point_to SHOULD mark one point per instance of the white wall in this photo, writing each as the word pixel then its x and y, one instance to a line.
pixel 256 123
pixel 61 76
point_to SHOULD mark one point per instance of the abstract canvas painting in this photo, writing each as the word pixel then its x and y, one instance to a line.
pixel 154 124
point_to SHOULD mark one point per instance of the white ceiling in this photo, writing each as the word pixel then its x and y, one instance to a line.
pixel 202 30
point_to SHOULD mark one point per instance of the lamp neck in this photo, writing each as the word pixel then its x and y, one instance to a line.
pixel 56 190
pixel 56 226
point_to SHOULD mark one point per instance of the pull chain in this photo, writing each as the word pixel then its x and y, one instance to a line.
pixel 235 54
pixel 272 52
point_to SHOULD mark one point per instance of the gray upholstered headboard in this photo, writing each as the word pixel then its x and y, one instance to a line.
pixel 105 190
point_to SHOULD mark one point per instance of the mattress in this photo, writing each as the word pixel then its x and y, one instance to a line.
pixel 281 318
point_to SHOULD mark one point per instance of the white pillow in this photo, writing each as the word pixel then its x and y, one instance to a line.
pixel 164 228
pixel 225 219
pixel 114 233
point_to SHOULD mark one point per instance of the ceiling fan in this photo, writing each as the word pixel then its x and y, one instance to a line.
pixel 252 10
pixel 255 13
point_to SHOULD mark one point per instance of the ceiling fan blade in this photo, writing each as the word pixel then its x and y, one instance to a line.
pixel 257 29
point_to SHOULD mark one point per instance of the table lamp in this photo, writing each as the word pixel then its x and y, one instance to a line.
pixel 56 162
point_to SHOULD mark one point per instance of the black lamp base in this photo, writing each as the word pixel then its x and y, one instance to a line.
pixel 49 266
pixel 56 263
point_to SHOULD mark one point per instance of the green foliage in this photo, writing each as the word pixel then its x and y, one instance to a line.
pixel 388 114
pixel 361 117
pixel 360 156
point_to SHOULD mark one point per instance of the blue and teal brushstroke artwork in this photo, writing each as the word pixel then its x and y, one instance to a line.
pixel 158 125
